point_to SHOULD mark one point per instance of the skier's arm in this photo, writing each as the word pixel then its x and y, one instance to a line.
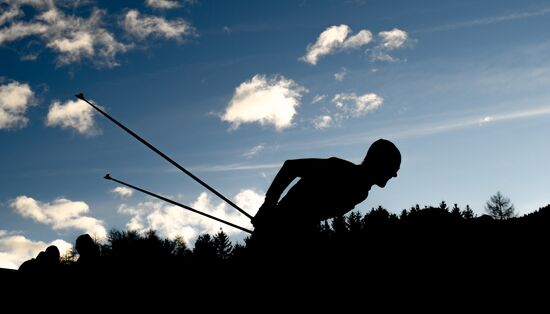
pixel 291 170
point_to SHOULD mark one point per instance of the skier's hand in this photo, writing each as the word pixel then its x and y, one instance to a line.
pixel 262 213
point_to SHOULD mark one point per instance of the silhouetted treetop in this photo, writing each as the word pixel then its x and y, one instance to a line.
pixel 500 207
pixel 222 244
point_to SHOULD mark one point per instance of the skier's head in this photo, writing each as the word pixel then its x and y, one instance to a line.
pixel 383 160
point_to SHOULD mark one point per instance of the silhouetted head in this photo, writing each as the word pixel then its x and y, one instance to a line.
pixel 86 247
pixel 52 254
pixel 41 256
pixel 382 161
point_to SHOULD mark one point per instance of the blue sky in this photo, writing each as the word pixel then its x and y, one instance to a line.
pixel 232 89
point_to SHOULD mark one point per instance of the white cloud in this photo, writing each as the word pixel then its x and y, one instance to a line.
pixel 393 39
pixel 20 30
pixel 15 98
pixel 381 55
pixel 352 105
pixel 254 151
pixel 327 42
pixel 10 14
pixel 347 106
pixel 334 39
pixel 145 26
pixel 249 200
pixel 360 39
pixel 170 221
pixel 341 75
pixel 163 4
pixel 265 101
pixel 60 214
pixel 76 114
pixel 73 48
pixel 318 98
pixel 389 40
pixel 322 122
pixel 73 38
pixel 123 191
pixel 15 249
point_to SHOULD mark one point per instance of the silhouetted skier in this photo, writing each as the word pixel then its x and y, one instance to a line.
pixel 327 188
pixel 32 266
pixel 88 251
pixel 52 262
pixel 46 262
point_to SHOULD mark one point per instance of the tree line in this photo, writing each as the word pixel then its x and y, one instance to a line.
pixel 419 241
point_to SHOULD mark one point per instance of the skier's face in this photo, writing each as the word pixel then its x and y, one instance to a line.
pixel 385 175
